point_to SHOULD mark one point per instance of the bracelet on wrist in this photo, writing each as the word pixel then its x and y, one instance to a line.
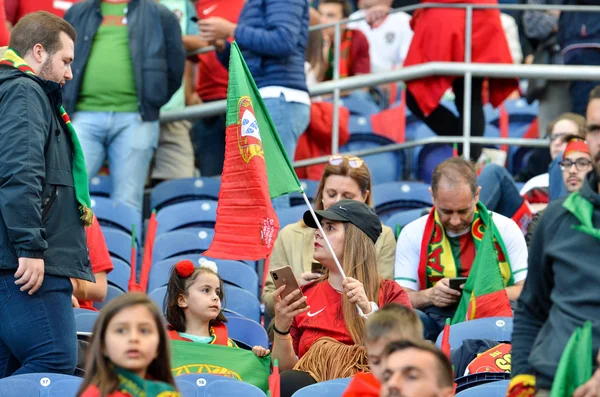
pixel 280 332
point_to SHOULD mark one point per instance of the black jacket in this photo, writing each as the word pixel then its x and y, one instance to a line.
pixel 39 215
pixel 561 290
pixel 156 52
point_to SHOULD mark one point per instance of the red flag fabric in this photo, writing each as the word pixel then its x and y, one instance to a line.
pixel 274 381
pixel 148 247
pixel 133 286
pixel 445 346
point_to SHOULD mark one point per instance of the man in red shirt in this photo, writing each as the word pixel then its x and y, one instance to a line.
pixel 16 9
pixel 208 134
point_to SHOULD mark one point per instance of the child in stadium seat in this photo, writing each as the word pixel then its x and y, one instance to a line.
pixel 129 352
pixel 391 323
pixel 194 297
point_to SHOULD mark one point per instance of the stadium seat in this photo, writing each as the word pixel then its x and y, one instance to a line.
pixel 111 292
pixel 310 188
pixel 403 218
pixel 520 158
pixel 232 272
pixel 40 385
pixel 492 389
pixel 247 332
pixel 359 124
pixel 477 379
pixel 118 243
pixel 429 157
pixel 26 387
pixel 390 198
pixel 100 186
pixel 119 276
pixel 494 328
pixel 185 189
pixel 84 321
pixel 331 388
pixel 290 215
pixel 359 105
pixel 188 214
pixel 194 385
pixel 198 257
pixel 158 296
pixel 242 302
pixel 117 215
pixel 231 388
pixel 180 242
pixel 384 167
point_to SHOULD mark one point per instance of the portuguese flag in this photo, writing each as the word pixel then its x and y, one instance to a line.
pixel 231 362
pixel 575 365
pixel 484 294
pixel 256 169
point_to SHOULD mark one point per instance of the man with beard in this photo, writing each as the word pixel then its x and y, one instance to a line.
pixel 44 201
pixel 561 292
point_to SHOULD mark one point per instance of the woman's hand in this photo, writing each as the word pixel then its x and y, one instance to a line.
pixel 308 277
pixel 216 28
pixel 355 292
pixel 287 308
pixel 260 351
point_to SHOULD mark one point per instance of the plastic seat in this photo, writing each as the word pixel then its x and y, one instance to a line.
pixel 232 272
pixel 188 214
pixel 290 215
pixel 384 167
pixel 331 388
pixel 40 385
pixel 310 188
pixel 84 321
pixel 403 218
pixel 111 292
pixel 478 379
pixel 158 296
pixel 242 302
pixel 117 215
pixel 26 387
pixel 120 274
pixel 246 331
pixel 390 198
pixel 118 243
pixel 100 186
pixel 197 257
pixel 493 389
pixel 64 387
pixel 429 157
pixel 359 105
pixel 185 189
pixel 494 328
pixel 231 388
pixel 359 124
pixel 180 242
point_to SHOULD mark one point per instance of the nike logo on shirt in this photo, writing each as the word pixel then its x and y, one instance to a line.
pixel 210 9
pixel 309 314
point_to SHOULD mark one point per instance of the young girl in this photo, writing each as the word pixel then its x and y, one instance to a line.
pixel 194 298
pixel 129 353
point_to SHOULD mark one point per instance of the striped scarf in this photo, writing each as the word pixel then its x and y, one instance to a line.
pixel 345 61
pixel 80 177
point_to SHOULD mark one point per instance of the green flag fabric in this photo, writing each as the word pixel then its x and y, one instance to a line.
pixel 231 362
pixel 575 365
pixel 281 175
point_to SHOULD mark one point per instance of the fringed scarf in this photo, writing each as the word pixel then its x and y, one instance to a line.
pixel 132 385
pixel 345 61
pixel 437 261
pixel 80 176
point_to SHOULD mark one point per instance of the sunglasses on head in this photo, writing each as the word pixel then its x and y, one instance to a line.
pixel 353 161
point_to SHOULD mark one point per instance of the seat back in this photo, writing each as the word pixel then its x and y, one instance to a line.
pixel 158 296
pixel 310 188
pixel 232 388
pixel 290 215
pixel 429 157
pixel 494 328
pixel 384 167
pixel 111 293
pixel 390 198
pixel 331 388
pixel 100 186
pixel 492 389
pixel 180 242
pixel 120 274
pixel 40 385
pixel 400 219
pixel 188 214
pixel 25 387
pixel 247 331
pixel 242 302
pixel 84 321
pixel 184 189
pixel 117 215
pixel 118 243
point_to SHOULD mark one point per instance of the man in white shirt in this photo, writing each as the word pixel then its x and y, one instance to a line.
pixel 389 35
pixel 452 230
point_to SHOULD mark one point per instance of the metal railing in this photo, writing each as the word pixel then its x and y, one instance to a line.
pixel 466 69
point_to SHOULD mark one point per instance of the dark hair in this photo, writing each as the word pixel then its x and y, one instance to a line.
pixel 40 28
pixel 444 367
pixel 394 321
pixel 179 286
pixel 343 3
pixel 99 369
pixel 456 170
pixel 575 118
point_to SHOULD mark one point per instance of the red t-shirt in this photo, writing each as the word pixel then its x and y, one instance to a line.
pixel 360 60
pixel 99 256
pixel 212 75
pixel 17 9
pixel 325 315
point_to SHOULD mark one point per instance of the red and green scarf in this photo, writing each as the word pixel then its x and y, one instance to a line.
pixel 437 260
pixel 583 210
pixel 80 176
pixel 134 386
pixel 345 61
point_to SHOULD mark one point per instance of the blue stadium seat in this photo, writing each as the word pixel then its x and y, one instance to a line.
pixel 118 243
pixel 490 113
pixel 180 242
pixel 185 189
pixel 188 214
pixel 384 167
pixel 429 157
pixel 231 388
pixel 84 321
pixel 100 186
pixel 331 388
pixel 111 292
pixel 158 296
pixel 232 272
pixel 194 385
pixel 390 198
pixel 290 215
pixel 26 387
pixel 40 385
pixel 119 276
pixel 494 328
pixel 242 302
pixel 247 332
pixel 310 188
pixel 117 215
pixel 492 389
pixel 359 124
pixel 360 105
pixel 196 257
pixel 520 158
pixel 403 218
pixel 477 379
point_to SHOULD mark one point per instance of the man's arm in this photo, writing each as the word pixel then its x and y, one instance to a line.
pixel 175 54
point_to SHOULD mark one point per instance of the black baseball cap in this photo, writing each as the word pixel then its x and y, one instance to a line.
pixel 356 212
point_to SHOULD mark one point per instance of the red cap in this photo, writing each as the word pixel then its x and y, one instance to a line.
pixel 576 145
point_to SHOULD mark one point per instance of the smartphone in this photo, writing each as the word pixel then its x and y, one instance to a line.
pixel 456 282
pixel 285 276
pixel 316 267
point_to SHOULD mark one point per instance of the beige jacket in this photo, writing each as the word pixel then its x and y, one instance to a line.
pixel 295 247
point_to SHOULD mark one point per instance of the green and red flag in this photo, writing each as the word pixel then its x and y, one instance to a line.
pixel 484 293
pixel 445 345
pixel 575 365
pixel 256 169
pixel 275 381
pixel 133 285
pixel 236 363
pixel 148 249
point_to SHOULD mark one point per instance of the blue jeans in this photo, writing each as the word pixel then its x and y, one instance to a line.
pixel 208 137
pixel 291 120
pixel 580 89
pixel 498 190
pixel 129 144
pixel 37 332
